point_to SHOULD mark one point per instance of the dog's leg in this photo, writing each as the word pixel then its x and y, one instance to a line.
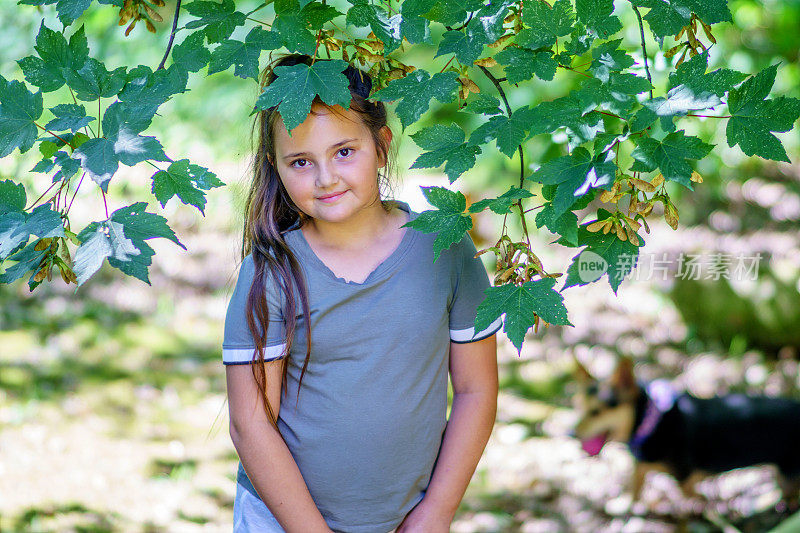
pixel 790 488
pixel 694 502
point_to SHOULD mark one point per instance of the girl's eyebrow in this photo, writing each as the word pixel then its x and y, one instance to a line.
pixel 340 143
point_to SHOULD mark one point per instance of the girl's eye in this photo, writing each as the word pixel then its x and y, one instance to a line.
pixel 344 152
pixel 299 163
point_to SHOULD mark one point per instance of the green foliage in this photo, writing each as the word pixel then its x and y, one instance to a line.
pixel 615 121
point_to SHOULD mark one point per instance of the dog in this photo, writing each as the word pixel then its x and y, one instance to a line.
pixel 688 437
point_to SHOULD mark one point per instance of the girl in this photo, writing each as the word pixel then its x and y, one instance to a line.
pixel 366 447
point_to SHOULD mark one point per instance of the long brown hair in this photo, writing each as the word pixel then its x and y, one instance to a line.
pixel 269 212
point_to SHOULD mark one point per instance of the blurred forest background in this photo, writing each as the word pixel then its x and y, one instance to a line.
pixel 112 399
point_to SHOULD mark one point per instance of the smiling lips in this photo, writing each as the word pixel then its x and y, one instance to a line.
pixel 331 197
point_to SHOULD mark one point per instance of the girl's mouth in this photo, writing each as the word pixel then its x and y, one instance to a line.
pixel 329 199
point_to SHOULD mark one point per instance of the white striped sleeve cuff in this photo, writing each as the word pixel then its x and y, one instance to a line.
pixel 243 356
pixel 469 335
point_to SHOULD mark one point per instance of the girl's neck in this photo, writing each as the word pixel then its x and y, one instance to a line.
pixel 356 233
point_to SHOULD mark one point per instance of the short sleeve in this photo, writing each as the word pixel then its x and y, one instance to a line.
pixel 471 282
pixel 237 343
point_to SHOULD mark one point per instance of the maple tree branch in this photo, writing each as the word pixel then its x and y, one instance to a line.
pixel 496 83
pixel 171 34
pixel 644 49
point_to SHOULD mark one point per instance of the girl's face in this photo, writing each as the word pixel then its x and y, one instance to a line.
pixel 329 165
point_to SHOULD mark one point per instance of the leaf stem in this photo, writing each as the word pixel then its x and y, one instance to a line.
pixel 75 193
pixel 519 148
pixel 42 196
pixel 105 204
pixel 644 48
pixel 708 116
pixel 54 135
pixel 171 34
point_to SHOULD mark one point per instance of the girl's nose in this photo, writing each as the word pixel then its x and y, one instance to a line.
pixel 326 175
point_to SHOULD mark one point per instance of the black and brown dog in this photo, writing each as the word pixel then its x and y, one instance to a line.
pixel 686 436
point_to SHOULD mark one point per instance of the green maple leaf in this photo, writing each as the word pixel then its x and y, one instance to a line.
pixel 244 55
pixel 187 181
pixel 502 203
pixel 218 19
pixel 670 155
pixel 445 144
pixel 678 102
pixel 27 259
pixel 146 90
pixel 69 117
pixel 564 224
pixel 93 81
pixel 596 16
pixel 16 227
pixel 449 220
pixel 318 14
pixel 668 17
pixel 416 91
pixel 121 240
pixel 521 304
pixel 19 111
pixel 68 10
pixel 608 58
pixel 545 23
pixel 451 12
pixel 387 30
pixel 616 258
pixel 521 64
pixel 693 74
pixel 466 44
pixel 510 132
pixel 575 175
pixel 291 24
pixel 296 86
pixel 191 55
pixel 566 112
pixel 754 118
pixel 617 94
pixel 12 196
pixel 483 103
pixel 45 71
pixel 414 27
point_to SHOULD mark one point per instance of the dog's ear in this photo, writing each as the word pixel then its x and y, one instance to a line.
pixel 623 378
pixel 581 374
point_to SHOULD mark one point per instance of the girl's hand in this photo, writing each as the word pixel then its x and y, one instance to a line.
pixel 425 519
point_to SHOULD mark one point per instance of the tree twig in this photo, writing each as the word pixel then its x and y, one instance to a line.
pixel 644 48
pixel 171 34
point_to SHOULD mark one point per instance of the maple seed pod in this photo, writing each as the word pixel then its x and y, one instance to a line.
pixel 632 223
pixel 620 232
pixel 671 215
pixel 501 41
pixel 486 62
pixel 657 180
pixel 641 185
pixel 646 211
pixel 696 177
pixel 376 45
pixel 153 13
pixel 42 244
pixel 674 50
pixel 607 226
pixel 707 31
pixel 332 46
pixel 64 275
pixel 471 85
pixel 596 226
pixel 130 27
pixel 678 36
pixel 345 57
pixel 395 74
pixel 149 26
pixel 41 274
pixel 632 237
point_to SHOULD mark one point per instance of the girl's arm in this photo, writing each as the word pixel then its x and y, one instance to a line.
pixel 473 372
pixel 265 457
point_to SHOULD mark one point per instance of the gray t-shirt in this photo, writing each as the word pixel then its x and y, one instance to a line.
pixel 368 425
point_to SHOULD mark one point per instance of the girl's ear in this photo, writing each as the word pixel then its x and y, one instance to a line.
pixel 386 133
